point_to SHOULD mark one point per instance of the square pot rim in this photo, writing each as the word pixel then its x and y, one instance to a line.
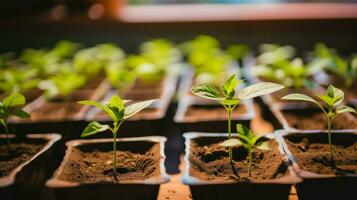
pixel 281 134
pixel 56 183
pixel 277 111
pixel 187 179
pixel 51 138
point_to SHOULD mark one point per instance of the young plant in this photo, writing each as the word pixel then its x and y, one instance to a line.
pixel 249 140
pixel 118 112
pixel 18 80
pixel 225 95
pixel 332 99
pixel 63 84
pixel 10 106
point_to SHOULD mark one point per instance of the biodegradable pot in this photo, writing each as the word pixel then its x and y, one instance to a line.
pixel 151 118
pixel 57 122
pixel 312 119
pixel 124 189
pixel 27 179
pixel 317 185
pixel 274 189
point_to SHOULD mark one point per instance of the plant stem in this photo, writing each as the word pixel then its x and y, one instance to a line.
pixel 229 110
pixel 115 132
pixel 6 132
pixel 329 122
pixel 250 163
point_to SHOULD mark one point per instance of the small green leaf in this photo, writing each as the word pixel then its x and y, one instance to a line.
pixel 231 143
pixel 344 109
pixel 330 91
pixel 299 97
pixel 264 146
pixel 100 106
pixel 15 99
pixel 116 101
pixel 328 100
pixel 208 91
pixel 259 89
pixel 20 113
pixel 229 86
pixel 137 107
pixel 338 95
pixel 93 128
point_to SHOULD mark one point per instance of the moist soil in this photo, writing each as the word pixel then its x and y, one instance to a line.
pixel 96 166
pixel 212 113
pixel 18 154
pixel 139 84
pixel 312 153
pixel 142 94
pixel 309 119
pixel 210 161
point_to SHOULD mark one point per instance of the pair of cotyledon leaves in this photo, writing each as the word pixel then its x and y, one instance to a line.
pixel 116 110
pixel 10 106
pixel 225 93
pixel 247 139
pixel 332 98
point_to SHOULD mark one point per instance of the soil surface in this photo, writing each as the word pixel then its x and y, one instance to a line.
pixel 210 161
pixel 309 119
pixel 212 113
pixel 142 94
pixel 55 111
pixel 19 153
pixel 95 166
pixel 312 153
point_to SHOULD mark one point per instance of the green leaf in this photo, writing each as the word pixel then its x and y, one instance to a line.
pixel 100 106
pixel 264 146
pixel 208 91
pixel 116 101
pixel 328 100
pixel 93 128
pixel 20 113
pixel 15 99
pixel 299 97
pixel 229 86
pixel 231 143
pixel 344 109
pixel 338 95
pixel 259 89
pixel 330 91
pixel 116 105
pixel 137 107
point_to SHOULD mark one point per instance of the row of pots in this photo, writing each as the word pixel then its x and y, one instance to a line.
pixel 65 182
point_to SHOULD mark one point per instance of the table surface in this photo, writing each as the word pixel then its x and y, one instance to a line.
pixel 175 190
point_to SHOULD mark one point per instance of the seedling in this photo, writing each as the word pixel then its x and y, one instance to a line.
pixel 118 112
pixel 10 106
pixel 249 140
pixel 63 84
pixel 332 99
pixel 18 80
pixel 225 95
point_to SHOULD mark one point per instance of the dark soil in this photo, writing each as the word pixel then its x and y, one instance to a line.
pixel 311 119
pixel 312 152
pixel 19 153
pixel 210 161
pixel 143 94
pixel 95 166
pixel 78 95
pixel 212 113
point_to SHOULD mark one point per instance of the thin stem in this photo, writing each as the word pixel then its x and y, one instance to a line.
pixel 229 110
pixel 115 132
pixel 6 132
pixel 250 163
pixel 329 122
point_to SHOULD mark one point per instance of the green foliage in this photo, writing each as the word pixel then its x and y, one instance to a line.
pixel 118 112
pixel 332 99
pixel 238 51
pixel 119 75
pixel 249 140
pixel 10 106
pixel 343 68
pixel 18 80
pixel 62 84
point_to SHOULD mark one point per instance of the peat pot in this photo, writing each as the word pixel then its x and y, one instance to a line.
pixel 25 170
pixel 309 154
pixel 86 171
pixel 210 176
